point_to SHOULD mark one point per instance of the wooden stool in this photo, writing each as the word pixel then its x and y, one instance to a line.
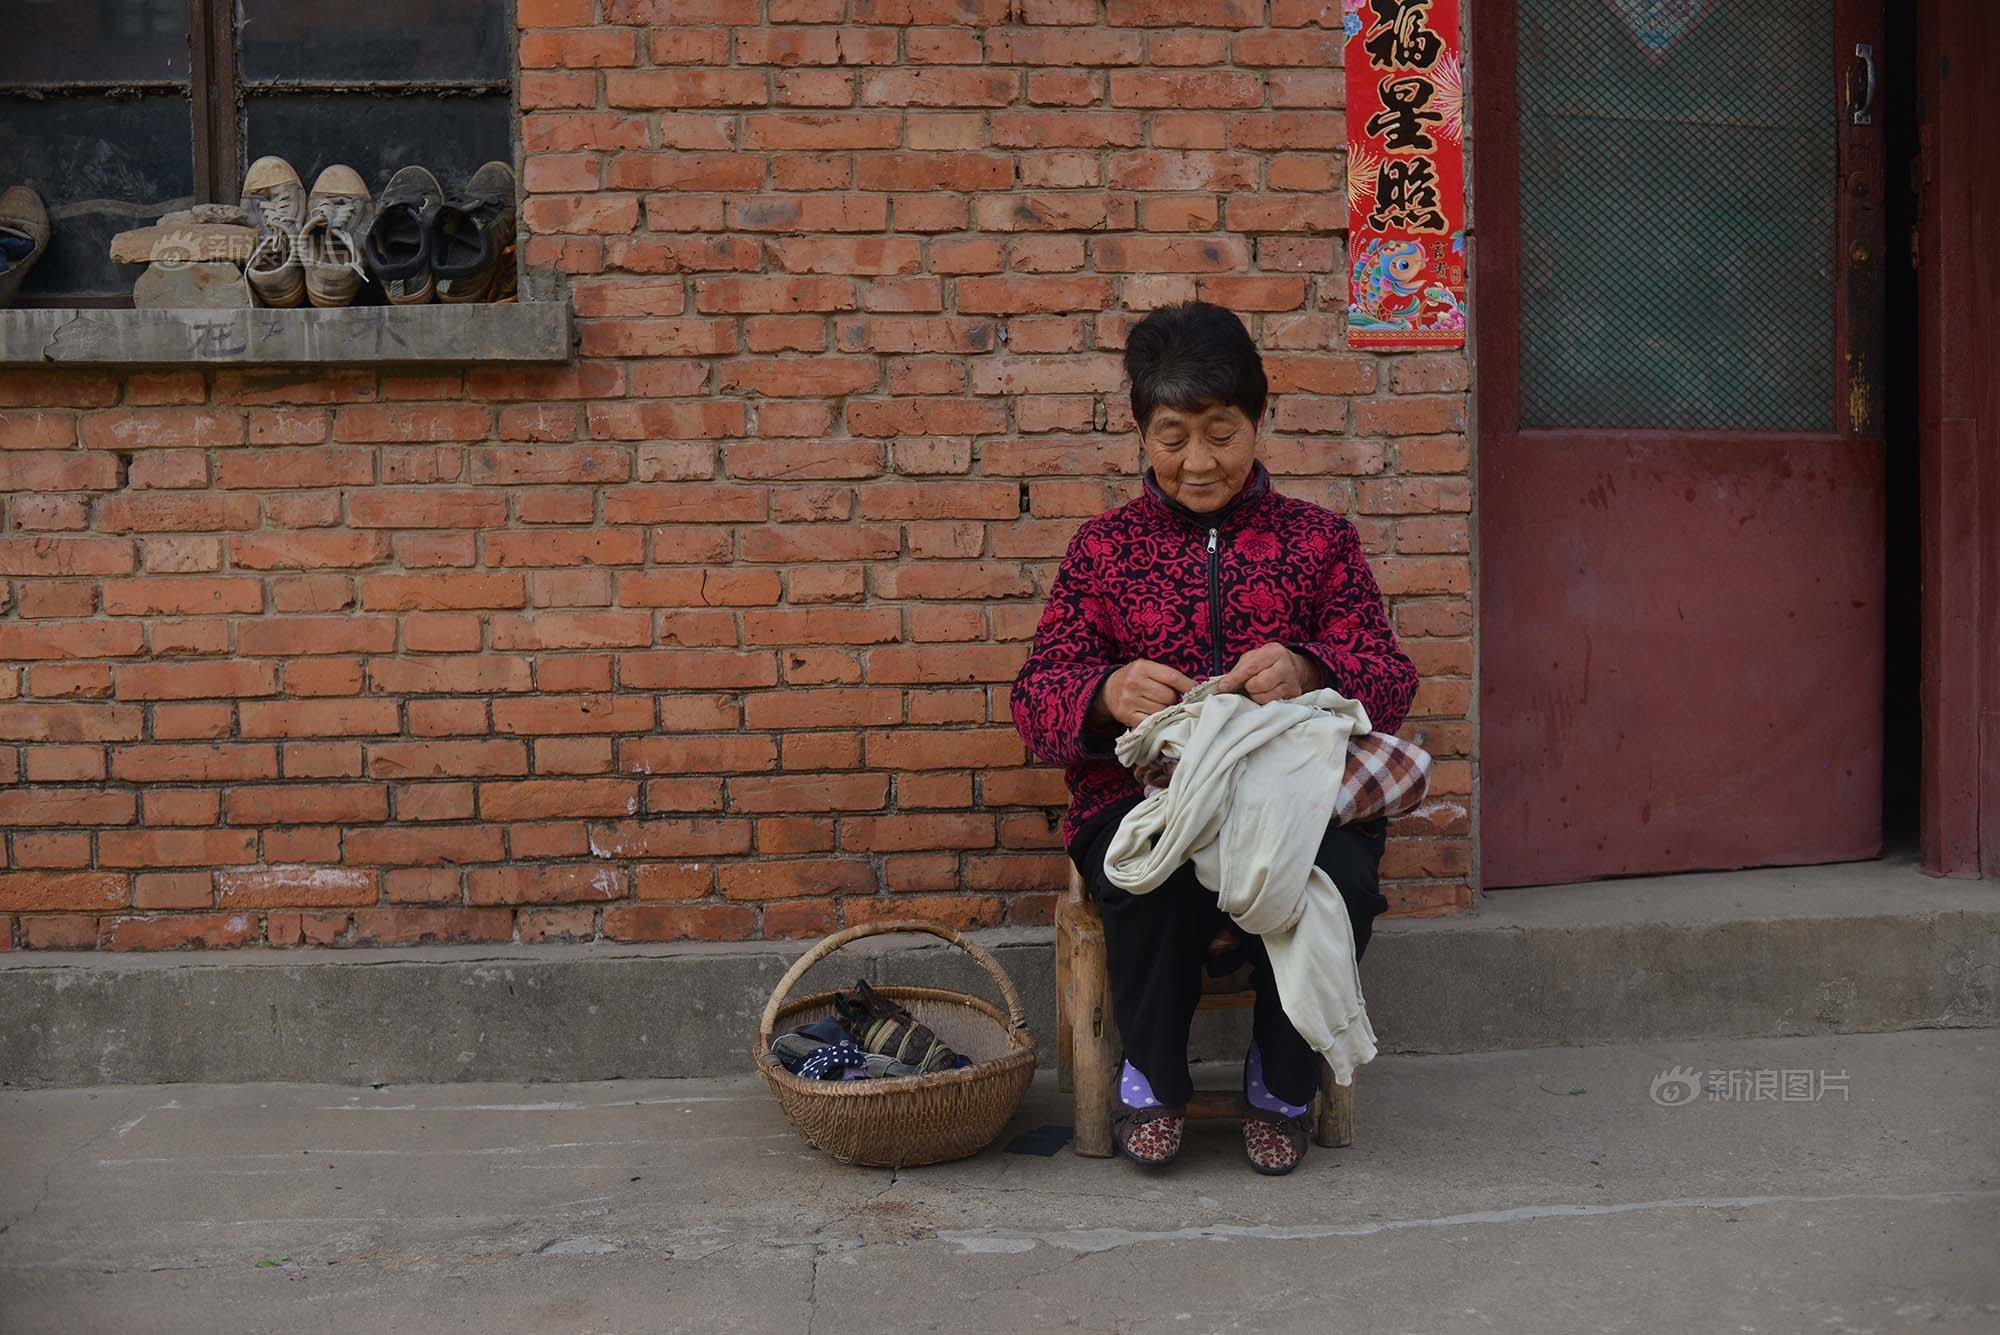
pixel 1088 1053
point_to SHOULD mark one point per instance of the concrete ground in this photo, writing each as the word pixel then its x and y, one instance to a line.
pixel 1534 1191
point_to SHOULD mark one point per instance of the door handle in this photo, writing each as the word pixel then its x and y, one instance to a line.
pixel 1865 54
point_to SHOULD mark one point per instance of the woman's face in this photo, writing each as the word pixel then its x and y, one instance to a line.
pixel 1201 458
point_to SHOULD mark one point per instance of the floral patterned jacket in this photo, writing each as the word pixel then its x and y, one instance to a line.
pixel 1153 579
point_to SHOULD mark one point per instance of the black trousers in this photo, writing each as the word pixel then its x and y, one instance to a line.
pixel 1156 944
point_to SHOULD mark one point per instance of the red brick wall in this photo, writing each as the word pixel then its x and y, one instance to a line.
pixel 709 634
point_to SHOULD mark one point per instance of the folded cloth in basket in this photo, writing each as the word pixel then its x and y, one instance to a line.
pixel 801 1045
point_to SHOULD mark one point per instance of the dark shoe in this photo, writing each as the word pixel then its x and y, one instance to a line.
pixel 398 245
pixel 1149 1136
pixel 880 1025
pixel 1273 1142
pixel 24 235
pixel 337 215
pixel 472 239
pixel 275 199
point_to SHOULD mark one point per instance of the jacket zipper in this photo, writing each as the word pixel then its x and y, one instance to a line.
pixel 1214 606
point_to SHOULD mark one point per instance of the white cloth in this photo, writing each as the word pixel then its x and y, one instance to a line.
pixel 1249 802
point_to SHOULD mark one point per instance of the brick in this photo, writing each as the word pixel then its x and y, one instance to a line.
pixel 175 848
pixel 578 714
pixel 196 681
pixel 68 931
pixel 177 931
pixel 295 887
pixel 817 792
pixel 797 877
pixel 212 763
pixel 162 428
pixel 406 846
pixel 310 929
pixel 585 883
pixel 519 464
pixel 573 630
pixel 307 551
pixel 407 593
pixel 541 799
pixel 807 708
pixel 670 838
pixel 66 556
pixel 427 508
pixel 58 764
pixel 46 891
pixel 51 470
pixel 791 131
pixel 174 890
pixel 1066 129
pixel 677 922
pixel 583 49
pixel 318 718
pixel 182 806
pixel 307 804
pixel 685 88
pixel 69 723
pixel 567 548
pixel 69 640
pixel 296 636
pixel 68 849
pixel 36 430
pixel 432 926
pixel 182 597
pixel 66 807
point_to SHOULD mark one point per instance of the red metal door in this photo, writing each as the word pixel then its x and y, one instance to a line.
pixel 1680 476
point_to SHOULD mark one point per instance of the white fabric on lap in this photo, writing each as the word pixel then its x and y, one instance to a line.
pixel 1249 802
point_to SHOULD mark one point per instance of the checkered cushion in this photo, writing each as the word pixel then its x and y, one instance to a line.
pixel 1384 776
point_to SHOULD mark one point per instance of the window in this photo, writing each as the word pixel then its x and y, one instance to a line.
pixel 1677 171
pixel 117 111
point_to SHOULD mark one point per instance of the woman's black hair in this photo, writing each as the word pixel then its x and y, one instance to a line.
pixel 1191 356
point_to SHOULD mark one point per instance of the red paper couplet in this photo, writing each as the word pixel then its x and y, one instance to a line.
pixel 1405 174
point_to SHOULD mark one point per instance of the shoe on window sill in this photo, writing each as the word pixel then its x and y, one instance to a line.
pixel 472 243
pixel 338 212
pixel 399 241
pixel 24 235
pixel 275 199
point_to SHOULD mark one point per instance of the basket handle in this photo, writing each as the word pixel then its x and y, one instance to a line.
pixel 1017 1016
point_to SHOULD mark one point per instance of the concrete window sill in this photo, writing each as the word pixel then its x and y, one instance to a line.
pixel 523 331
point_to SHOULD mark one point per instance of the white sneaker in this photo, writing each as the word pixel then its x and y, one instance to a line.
pixel 337 216
pixel 276 202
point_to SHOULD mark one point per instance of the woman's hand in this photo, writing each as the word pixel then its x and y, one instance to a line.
pixel 1139 689
pixel 1272 672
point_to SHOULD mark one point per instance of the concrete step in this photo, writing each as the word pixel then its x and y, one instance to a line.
pixel 1853 948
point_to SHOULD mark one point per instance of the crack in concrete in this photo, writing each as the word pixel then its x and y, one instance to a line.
pixel 1092 1240
pixel 48 1178
pixel 821 1250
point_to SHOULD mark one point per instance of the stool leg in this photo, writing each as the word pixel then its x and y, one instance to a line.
pixel 1096 1043
pixel 1065 1002
pixel 1336 1112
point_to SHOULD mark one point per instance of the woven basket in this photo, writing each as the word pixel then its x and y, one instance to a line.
pixel 907 1121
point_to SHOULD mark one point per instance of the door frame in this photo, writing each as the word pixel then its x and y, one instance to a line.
pixel 1958 286
pixel 1958 375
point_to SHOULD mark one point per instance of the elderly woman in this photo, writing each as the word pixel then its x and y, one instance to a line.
pixel 1208 572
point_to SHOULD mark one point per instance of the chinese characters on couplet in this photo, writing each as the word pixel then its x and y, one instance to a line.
pixel 1405 174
